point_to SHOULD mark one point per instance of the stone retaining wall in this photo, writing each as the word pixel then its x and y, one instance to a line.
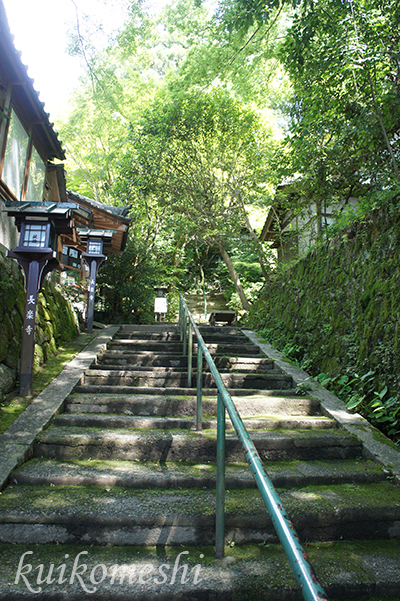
pixel 338 308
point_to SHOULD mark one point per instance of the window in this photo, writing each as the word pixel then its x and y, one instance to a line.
pixel 37 175
pixel 15 160
pixel 71 257
pixel 15 156
pixel 94 247
pixel 34 235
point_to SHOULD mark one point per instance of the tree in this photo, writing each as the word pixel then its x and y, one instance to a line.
pixel 204 157
pixel 121 81
pixel 344 65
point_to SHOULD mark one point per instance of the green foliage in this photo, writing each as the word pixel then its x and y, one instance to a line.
pixel 340 58
pixel 200 158
pixel 120 84
pixel 342 62
pixel 364 395
pixel 181 113
pixel 126 285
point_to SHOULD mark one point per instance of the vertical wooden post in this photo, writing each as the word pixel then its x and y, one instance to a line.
pixel 94 263
pixel 4 126
pixel 29 328
pixel 34 266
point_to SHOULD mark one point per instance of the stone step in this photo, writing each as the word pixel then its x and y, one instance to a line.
pixel 162 369
pixel 367 571
pixel 239 350
pixel 150 328
pixel 123 359
pixel 174 328
pixel 170 390
pixel 157 371
pixel 164 423
pixel 271 403
pixel 209 330
pixel 132 474
pixel 209 337
pixel 177 445
pixel 268 381
pixel 161 336
pixel 114 473
pixel 225 339
pixel 128 516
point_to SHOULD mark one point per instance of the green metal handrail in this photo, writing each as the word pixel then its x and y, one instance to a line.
pixel 304 573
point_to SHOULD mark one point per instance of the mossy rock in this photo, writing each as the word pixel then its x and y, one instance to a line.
pixel 51 305
pixel 13 355
pixel 6 335
pixel 43 313
pixel 38 358
pixel 39 335
pixel 20 300
pixel 17 323
pixel 48 330
pixel 9 298
pixel 49 349
pixel 4 343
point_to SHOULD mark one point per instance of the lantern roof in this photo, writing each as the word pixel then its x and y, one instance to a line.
pixel 105 235
pixel 60 213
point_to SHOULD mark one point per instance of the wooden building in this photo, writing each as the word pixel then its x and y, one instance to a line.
pixel 113 220
pixel 30 178
pixel 28 142
pixel 292 232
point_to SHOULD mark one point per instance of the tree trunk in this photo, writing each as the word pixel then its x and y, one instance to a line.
pixel 233 273
pixel 260 250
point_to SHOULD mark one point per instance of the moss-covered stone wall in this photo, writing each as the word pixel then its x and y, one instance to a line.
pixel 339 307
pixel 56 323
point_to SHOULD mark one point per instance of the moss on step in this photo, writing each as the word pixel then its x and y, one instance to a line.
pixel 149 433
pixel 250 573
pixel 9 411
pixel 118 501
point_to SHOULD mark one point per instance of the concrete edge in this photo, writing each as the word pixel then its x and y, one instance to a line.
pixel 16 443
pixel 376 446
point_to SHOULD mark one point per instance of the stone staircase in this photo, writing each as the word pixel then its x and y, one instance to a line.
pixel 120 494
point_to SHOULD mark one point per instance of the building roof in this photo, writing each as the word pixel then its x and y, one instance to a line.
pixel 26 101
pixel 106 217
pixel 120 212
pixel 276 222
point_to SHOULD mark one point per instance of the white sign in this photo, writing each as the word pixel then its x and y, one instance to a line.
pixel 160 304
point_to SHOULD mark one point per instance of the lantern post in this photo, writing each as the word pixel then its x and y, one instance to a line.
pixel 94 257
pixel 39 225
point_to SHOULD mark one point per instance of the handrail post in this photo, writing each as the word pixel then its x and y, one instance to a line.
pixel 190 355
pixel 180 318
pixel 199 377
pixel 220 503
pixel 185 320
